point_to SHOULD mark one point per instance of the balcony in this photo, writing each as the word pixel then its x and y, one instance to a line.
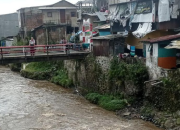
pixel 64 22
pixel 112 2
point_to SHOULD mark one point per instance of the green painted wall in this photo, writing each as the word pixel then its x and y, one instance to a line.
pixel 162 52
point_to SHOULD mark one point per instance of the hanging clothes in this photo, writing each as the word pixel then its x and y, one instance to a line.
pixel 163 11
pixel 174 11
pixel 143 29
pixel 112 11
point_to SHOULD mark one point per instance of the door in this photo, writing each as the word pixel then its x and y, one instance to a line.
pixel 62 16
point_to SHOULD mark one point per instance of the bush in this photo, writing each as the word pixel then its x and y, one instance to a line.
pixel 15 67
pixel 61 78
pixel 107 102
pixel 93 97
pixel 120 72
pixel 40 66
pixel 113 105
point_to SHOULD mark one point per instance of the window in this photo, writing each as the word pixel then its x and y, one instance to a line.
pixel 73 14
pixel 49 14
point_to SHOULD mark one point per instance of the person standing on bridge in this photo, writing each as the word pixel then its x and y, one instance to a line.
pixel 32 44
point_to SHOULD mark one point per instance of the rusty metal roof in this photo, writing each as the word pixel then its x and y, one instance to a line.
pixel 108 37
pixel 163 38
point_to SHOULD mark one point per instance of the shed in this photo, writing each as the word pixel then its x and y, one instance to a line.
pixel 157 53
pixel 103 29
pixel 108 45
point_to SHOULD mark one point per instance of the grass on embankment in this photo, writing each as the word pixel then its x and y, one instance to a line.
pixel 52 71
pixel 107 102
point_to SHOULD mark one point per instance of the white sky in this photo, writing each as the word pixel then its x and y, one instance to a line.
pixel 11 6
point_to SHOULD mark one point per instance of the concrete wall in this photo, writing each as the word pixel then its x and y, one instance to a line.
pixel 55 35
pixel 78 70
pixel 55 16
pixel 155 72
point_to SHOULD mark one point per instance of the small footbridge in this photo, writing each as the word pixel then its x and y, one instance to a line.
pixel 25 54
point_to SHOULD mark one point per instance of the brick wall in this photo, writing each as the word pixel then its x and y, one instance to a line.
pixel 33 21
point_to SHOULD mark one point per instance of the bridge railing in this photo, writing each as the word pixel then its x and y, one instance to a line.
pixel 38 50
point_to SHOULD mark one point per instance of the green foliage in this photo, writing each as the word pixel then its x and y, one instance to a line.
pixel 107 102
pixel 61 78
pixel 20 43
pixel 48 70
pixel 15 67
pixel 166 95
pixel 36 75
pixel 93 97
pixel 113 105
pixel 147 111
pixel 120 72
pixel 41 66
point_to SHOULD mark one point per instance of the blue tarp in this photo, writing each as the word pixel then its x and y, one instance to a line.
pixel 72 37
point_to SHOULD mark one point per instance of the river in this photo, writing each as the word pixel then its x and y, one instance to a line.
pixel 40 105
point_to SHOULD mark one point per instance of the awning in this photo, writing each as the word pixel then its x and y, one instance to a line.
pixel 143 30
pixel 173 45
pixel 162 38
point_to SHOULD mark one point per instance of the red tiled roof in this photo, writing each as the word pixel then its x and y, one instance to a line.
pixel 163 38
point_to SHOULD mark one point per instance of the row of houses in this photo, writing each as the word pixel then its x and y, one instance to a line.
pixel 145 28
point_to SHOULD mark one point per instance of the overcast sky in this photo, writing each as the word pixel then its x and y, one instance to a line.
pixel 11 6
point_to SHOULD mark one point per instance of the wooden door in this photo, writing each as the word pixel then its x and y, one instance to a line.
pixel 62 16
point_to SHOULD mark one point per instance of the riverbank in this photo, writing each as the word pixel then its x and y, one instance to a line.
pixel 38 104
pixel 110 84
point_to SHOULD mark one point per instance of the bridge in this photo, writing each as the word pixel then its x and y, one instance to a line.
pixel 25 54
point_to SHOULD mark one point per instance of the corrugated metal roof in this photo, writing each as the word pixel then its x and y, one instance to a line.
pixel 108 37
pixel 163 38
pixel 44 8
pixel 101 16
pixel 105 26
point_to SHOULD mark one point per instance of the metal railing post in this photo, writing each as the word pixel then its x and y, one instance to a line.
pixel 1 55
pixel 24 49
pixel 67 50
pixel 47 50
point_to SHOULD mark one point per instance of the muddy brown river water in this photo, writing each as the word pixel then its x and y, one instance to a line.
pixel 39 105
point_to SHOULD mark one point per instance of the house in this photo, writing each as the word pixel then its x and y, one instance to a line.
pixel 48 24
pixel 145 19
pixel 157 55
pixel 9 25
pixel 29 18
pixel 59 20
pixel 60 13
pixel 108 45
